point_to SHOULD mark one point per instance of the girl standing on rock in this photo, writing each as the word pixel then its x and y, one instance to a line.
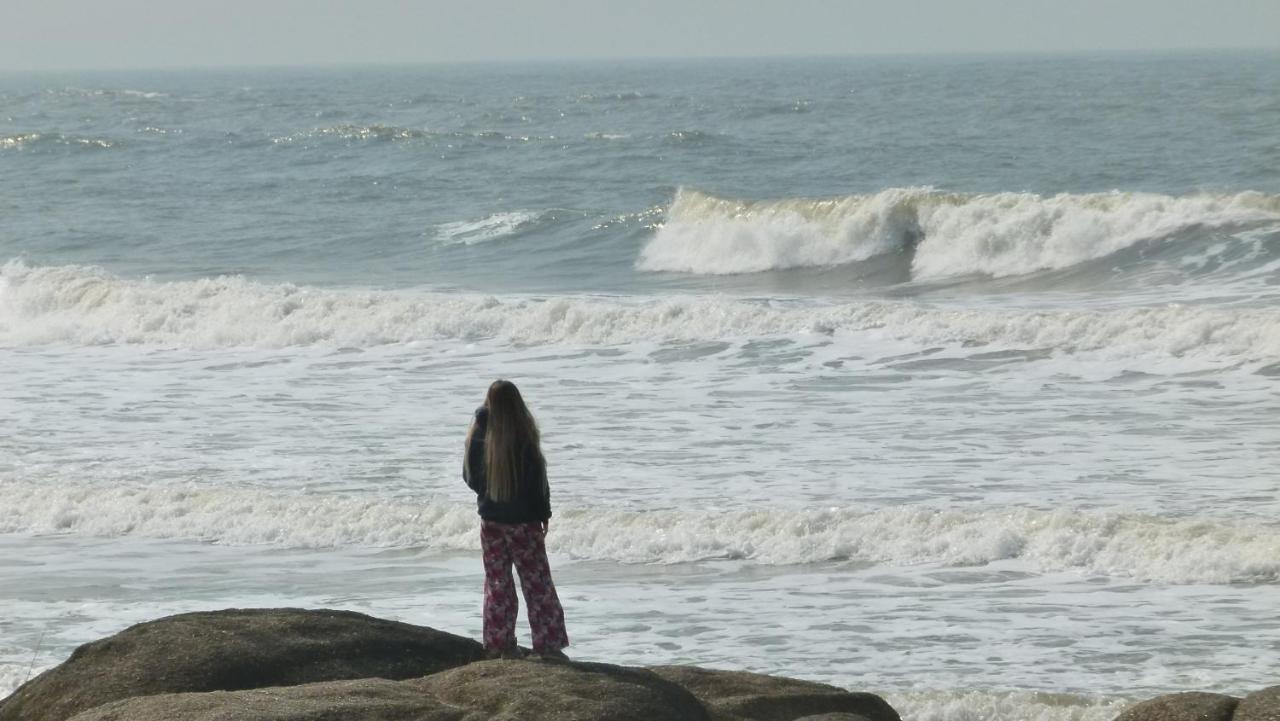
pixel 504 465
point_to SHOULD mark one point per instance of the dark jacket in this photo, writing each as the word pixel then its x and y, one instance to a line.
pixel 533 496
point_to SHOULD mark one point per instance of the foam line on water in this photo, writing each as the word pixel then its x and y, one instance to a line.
pixel 947 234
pixel 1110 543
pixel 87 306
pixel 1003 706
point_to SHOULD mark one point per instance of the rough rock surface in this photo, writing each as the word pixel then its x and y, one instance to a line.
pixel 1189 706
pixel 525 690
pixel 361 700
pixel 232 650
pixel 1261 705
pixel 738 695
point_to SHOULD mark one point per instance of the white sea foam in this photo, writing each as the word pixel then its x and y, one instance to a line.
pixel 86 306
pixel 1174 550
pixel 1006 706
pixel 491 227
pixel 13 675
pixel 954 234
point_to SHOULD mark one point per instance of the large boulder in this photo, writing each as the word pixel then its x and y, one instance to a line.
pixel 742 696
pixel 523 690
pixel 1188 706
pixel 232 650
pixel 1261 705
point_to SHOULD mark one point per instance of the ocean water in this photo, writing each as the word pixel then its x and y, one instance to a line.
pixel 953 379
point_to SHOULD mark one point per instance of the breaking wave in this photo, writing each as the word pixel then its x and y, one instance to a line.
pixel 87 306
pixel 945 234
pixel 1172 550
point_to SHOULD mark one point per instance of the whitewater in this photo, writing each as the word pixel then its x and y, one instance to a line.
pixel 920 376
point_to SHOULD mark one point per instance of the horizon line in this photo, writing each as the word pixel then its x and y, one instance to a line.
pixel 938 54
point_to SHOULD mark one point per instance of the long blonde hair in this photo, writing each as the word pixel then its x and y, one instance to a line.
pixel 511 435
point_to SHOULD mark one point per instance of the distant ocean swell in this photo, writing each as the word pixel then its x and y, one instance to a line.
pixel 1162 549
pixel 945 234
pixel 377 132
pixel 392 133
pixel 86 306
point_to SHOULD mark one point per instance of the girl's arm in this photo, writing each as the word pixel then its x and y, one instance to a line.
pixel 473 456
pixel 545 487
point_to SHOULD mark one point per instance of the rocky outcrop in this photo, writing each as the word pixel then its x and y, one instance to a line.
pixel 233 650
pixel 737 695
pixel 525 690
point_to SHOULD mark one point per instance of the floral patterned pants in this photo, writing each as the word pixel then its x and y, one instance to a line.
pixel 524 545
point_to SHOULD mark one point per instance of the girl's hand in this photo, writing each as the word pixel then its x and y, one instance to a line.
pixel 546 526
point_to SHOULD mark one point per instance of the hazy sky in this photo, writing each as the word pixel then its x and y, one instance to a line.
pixel 54 34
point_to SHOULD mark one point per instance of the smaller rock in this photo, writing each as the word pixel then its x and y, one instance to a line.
pixel 1261 705
pixel 1189 706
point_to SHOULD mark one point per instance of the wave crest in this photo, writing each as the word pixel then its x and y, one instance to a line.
pixel 947 234
pixel 1191 550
